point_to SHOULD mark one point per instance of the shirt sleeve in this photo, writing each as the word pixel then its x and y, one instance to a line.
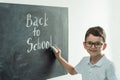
pixel 79 67
pixel 111 72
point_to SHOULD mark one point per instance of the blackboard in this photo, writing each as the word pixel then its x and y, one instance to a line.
pixel 26 33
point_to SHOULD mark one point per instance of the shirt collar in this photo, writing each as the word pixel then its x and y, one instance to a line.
pixel 99 63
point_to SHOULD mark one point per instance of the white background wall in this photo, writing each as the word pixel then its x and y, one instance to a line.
pixel 82 15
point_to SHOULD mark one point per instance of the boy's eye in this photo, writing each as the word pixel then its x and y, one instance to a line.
pixel 98 43
pixel 90 43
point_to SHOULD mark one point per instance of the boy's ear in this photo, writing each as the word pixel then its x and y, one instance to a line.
pixel 104 46
pixel 84 45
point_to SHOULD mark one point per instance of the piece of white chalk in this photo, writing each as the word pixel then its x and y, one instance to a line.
pixel 54 49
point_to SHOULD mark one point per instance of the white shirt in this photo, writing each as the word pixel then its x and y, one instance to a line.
pixel 102 70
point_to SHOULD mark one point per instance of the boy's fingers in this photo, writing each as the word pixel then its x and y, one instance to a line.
pixel 58 49
pixel 55 49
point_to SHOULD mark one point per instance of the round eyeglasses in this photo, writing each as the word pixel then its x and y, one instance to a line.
pixel 96 44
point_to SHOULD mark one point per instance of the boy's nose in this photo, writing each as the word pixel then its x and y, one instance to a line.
pixel 93 46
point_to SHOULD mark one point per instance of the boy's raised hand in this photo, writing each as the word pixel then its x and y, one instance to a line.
pixel 56 51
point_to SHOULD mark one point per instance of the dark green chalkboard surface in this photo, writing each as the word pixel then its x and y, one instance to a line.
pixel 26 33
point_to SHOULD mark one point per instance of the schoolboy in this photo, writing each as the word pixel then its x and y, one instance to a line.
pixel 93 67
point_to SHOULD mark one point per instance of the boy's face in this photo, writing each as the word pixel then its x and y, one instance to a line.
pixel 94 45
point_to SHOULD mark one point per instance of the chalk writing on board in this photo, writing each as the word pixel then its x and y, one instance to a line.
pixel 34 21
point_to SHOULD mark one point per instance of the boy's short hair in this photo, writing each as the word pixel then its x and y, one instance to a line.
pixel 96 31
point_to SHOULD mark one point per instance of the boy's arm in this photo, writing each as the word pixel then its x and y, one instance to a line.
pixel 65 64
